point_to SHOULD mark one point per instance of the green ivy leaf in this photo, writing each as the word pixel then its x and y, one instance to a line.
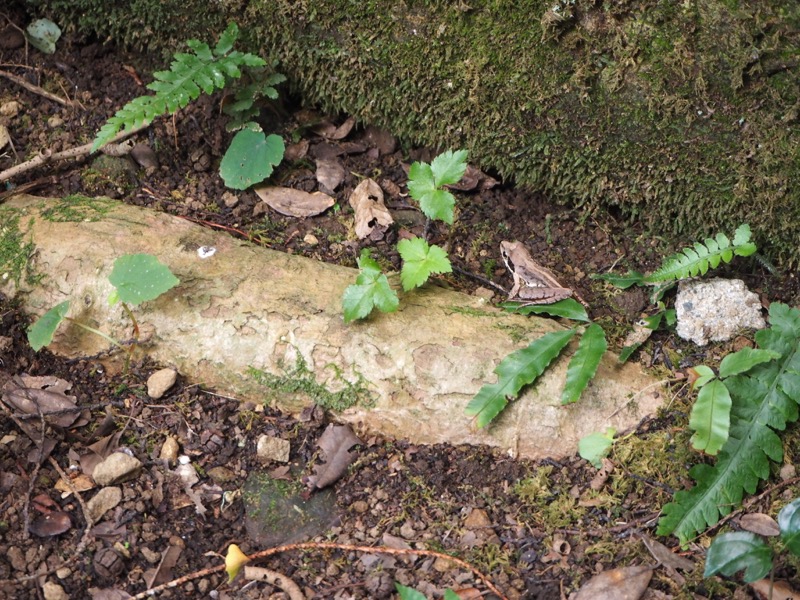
pixel 744 360
pixel 420 261
pixel 737 551
pixel 140 277
pixel 621 281
pixel 584 363
pixel 711 418
pixel 370 290
pixel 250 158
pixel 567 308
pixel 407 593
pixel 449 167
pixel 515 371
pixel 451 595
pixel 596 446
pixel 40 334
pixel 789 523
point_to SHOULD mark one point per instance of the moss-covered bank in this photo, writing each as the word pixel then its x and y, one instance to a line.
pixel 683 114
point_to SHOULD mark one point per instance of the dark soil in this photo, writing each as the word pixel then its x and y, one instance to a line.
pixel 471 502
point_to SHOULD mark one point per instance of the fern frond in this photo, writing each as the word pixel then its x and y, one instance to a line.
pixel 190 74
pixel 699 258
pixel 764 401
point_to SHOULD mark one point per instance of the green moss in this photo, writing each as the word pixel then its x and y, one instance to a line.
pixel 301 382
pixel 681 114
pixel 77 208
pixel 15 252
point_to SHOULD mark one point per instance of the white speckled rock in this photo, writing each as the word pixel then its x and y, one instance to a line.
pixel 716 310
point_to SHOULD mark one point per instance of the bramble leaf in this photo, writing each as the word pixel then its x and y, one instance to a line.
pixel 710 418
pixel 596 446
pixel 140 277
pixel 739 551
pixel 584 363
pixel 40 334
pixel 449 167
pixel 370 290
pixel 516 370
pixel 407 593
pixel 420 261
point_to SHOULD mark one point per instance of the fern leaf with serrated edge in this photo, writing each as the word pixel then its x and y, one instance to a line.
pixel 584 363
pixel 189 74
pixel 698 258
pixel 764 400
pixel 515 371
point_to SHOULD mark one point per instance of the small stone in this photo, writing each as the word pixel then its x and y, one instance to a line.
pixel 159 382
pixel 442 565
pixel 16 557
pixel 221 475
pixel 122 550
pixel 55 121
pixel 272 448
pixel 144 156
pixel 118 467
pixel 230 200
pixel 53 591
pixel 9 109
pixel 788 471
pixel 260 209
pixel 169 450
pixel 150 555
pixel 63 572
pixel 360 506
pixel 310 239
pixel 103 501
pixel 407 530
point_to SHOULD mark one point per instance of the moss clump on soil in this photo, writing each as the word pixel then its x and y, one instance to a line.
pixel 15 252
pixel 300 381
pixel 681 114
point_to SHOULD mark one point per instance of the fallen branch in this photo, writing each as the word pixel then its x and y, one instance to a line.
pixel 321 546
pixel 36 89
pixel 47 156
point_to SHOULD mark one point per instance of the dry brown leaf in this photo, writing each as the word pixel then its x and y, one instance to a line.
pixel 41 395
pixel 471 179
pixel 372 216
pixel 627 583
pixel 335 443
pixel 666 556
pixel 108 594
pixel 294 203
pixel 330 173
pixel 4 136
pixel 53 523
pixel 468 593
pixel 296 151
pixel 330 131
pixel 82 483
pixel 163 572
pixel 760 523
pixel 600 478
pixel 781 590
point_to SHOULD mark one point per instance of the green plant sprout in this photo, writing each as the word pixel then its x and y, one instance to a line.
pixel 407 593
pixel 136 278
pixel 764 389
pixel 252 154
pixel 420 259
pixel 737 551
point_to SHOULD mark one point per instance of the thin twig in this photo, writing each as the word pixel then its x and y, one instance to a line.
pixel 47 156
pixel 321 546
pixel 274 578
pixel 36 89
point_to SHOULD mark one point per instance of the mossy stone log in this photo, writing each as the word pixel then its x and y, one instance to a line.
pixel 682 114
pixel 406 374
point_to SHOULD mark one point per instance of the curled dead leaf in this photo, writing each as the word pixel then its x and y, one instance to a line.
pixel 50 524
pixel 41 395
pixel 335 442
pixel 294 203
pixel 330 131
pixel 330 173
pixel 628 583
pixel 372 216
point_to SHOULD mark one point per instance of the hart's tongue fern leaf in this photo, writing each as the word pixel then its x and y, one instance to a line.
pixel 765 399
pixel 203 70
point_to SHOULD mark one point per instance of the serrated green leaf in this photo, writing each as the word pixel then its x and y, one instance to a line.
pixel 789 524
pixel 596 446
pixel 41 332
pixel 370 290
pixel 420 261
pixel 742 235
pixel 621 281
pixel 584 363
pixel 516 370
pixel 739 551
pixel 250 158
pixel 141 277
pixel 710 418
pixel 420 180
pixel 227 40
pixel 567 308
pixel 438 204
pixel 449 167
pixel 744 360
pixel 407 593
